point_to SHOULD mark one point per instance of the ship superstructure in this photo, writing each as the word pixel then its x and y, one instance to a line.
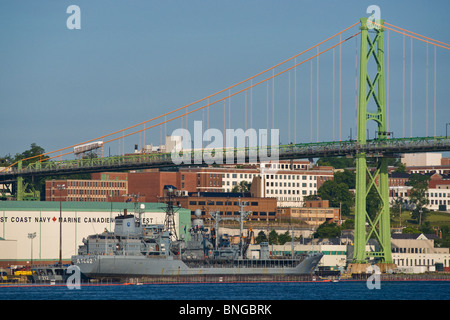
pixel 136 250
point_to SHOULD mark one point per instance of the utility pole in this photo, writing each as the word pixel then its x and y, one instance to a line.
pixel 31 236
pixel 60 188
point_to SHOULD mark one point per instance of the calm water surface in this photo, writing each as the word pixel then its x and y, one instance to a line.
pixel 344 290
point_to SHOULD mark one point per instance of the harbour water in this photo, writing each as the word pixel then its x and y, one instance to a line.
pixel 343 290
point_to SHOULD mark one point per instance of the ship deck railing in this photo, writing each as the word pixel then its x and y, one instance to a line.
pixel 242 263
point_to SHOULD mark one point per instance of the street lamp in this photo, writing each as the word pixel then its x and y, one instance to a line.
pixel 60 188
pixel 32 236
pixel 446 125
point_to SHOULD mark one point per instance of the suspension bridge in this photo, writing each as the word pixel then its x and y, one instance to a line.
pixel 373 148
pixel 306 97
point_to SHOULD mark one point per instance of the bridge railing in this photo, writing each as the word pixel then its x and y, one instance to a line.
pixel 374 147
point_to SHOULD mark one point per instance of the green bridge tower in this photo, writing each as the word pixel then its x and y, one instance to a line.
pixel 372 89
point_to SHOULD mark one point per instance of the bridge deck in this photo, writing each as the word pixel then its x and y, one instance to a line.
pixel 373 148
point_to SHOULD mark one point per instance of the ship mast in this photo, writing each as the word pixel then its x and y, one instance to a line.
pixel 242 217
pixel 169 222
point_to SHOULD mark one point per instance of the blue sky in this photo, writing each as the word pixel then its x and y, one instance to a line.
pixel 133 60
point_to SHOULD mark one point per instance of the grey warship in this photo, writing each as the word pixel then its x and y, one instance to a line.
pixel 149 252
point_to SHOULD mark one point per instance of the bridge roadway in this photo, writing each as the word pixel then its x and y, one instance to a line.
pixel 373 148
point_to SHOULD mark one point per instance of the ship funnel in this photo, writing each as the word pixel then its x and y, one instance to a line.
pixel 125 225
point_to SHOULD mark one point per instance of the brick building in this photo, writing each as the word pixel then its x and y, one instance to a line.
pixel 228 204
pixel 150 183
pixel 314 213
pixel 85 190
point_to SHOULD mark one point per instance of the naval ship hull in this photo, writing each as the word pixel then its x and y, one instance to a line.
pixel 123 267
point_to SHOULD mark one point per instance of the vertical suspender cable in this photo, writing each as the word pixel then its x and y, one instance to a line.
pixel 426 94
pixel 356 82
pixel 311 101
pixel 246 110
pixel 333 94
pixel 340 89
pixel 289 106
pixel 267 82
pixel 273 100
pixel 403 101
pixel 203 122
pixel 229 108
pixel 295 103
pixel 251 103
pixel 224 119
pixel 387 86
pixel 207 120
pixel 410 91
pixel 435 91
pixel 317 97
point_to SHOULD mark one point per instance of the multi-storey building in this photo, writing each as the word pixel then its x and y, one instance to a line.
pixel 438 192
pixel 287 181
pixel 417 253
pixel 227 204
pixel 314 213
pixel 94 190
pixel 150 183
pixel 291 186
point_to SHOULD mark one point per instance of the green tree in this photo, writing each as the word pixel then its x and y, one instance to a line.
pixel 327 230
pixel 410 230
pixel 337 162
pixel 311 197
pixel 284 237
pixel 37 154
pixel 273 237
pixel 426 227
pixel 34 151
pixel 418 196
pixel 6 161
pixel 401 168
pixel 242 187
pixel 261 237
pixel 348 177
pixel 348 224
pixel 337 194
pixel 445 241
